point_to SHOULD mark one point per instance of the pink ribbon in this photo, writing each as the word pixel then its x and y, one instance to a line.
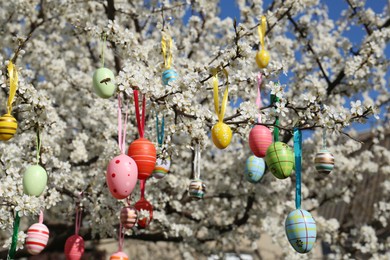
pixel 121 132
pixel 258 99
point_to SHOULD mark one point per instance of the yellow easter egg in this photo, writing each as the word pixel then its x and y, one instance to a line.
pixel 262 58
pixel 221 134
pixel 8 126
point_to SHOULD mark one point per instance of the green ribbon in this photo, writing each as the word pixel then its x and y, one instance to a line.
pixel 160 132
pixel 275 99
pixel 12 250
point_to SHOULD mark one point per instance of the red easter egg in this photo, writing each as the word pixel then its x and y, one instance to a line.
pixel 143 153
pixel 260 138
pixel 74 247
pixel 144 207
pixel 119 256
pixel 37 237
pixel 128 217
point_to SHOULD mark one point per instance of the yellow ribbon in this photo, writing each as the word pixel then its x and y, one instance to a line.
pixel 220 112
pixel 13 79
pixel 166 46
pixel 261 30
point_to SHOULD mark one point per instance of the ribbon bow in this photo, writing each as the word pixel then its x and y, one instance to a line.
pixel 220 112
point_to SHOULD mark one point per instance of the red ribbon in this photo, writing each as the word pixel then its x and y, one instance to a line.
pixel 140 118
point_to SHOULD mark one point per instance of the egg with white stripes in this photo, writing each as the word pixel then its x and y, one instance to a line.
pixel 301 230
pixel 37 237
pixel 324 162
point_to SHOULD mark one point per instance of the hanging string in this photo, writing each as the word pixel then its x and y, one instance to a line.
pixel 13 82
pixel 160 131
pixel 103 46
pixel 197 160
pixel 38 143
pixel 121 237
pixel 258 99
pixel 140 118
pixel 298 166
pixel 275 99
pixel 220 112
pixel 142 188
pixel 166 47
pixel 12 250
pixel 79 212
pixel 122 131
pixel 324 138
pixel 261 30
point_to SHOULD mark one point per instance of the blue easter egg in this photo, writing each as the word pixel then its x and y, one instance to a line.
pixel 254 169
pixel 301 230
pixel 168 76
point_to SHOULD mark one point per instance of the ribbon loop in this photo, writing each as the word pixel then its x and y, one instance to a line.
pixel 261 29
pixel 160 131
pixel 166 47
pixel 122 130
pixel 220 112
pixel 197 161
pixel 13 80
pixel 140 118
pixel 275 99
pixel 298 169
pixel 258 99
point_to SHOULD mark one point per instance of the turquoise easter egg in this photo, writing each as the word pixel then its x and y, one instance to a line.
pixel 301 230
pixel 254 169
pixel 169 76
pixel 104 82
pixel 34 180
pixel 280 160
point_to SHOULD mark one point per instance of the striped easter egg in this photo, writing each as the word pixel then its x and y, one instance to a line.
pixel 162 166
pixel 301 230
pixel 143 153
pixel 254 169
pixel 324 161
pixel 168 76
pixel 260 138
pixel 74 247
pixel 119 256
pixel 37 237
pixel 128 217
pixel 8 126
pixel 197 189
pixel 280 160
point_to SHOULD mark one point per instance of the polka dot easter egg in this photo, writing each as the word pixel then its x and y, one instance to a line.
pixel 254 169
pixel 260 138
pixel 169 76
pixel 37 237
pixel 221 135
pixel 262 58
pixel 34 180
pixel 301 230
pixel 121 176
pixel 324 162
pixel 74 247
pixel 8 126
pixel 104 82
pixel 119 256
pixel 280 160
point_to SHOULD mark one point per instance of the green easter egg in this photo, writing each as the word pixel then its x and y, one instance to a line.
pixel 280 160
pixel 34 180
pixel 104 82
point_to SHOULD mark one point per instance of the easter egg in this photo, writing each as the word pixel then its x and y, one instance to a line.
pixel 301 230
pixel 119 256
pixel 324 162
pixel 254 169
pixel 37 237
pixel 143 153
pixel 145 212
pixel 162 166
pixel 221 135
pixel 104 82
pixel 169 76
pixel 8 126
pixel 196 189
pixel 128 217
pixel 262 58
pixel 280 160
pixel 34 180
pixel 121 176
pixel 74 247
pixel 260 138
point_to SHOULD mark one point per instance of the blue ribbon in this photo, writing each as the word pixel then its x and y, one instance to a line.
pixel 160 132
pixel 298 166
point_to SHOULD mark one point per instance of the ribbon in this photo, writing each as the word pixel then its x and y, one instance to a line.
pixel 39 143
pixel 197 160
pixel 275 99
pixel 40 219
pixel 140 118
pixel 298 169
pixel 160 131
pixel 103 45
pixel 166 47
pixel 261 30
pixel 142 188
pixel 258 99
pixel 121 237
pixel 121 131
pixel 13 82
pixel 77 226
pixel 12 250
pixel 220 112
pixel 324 138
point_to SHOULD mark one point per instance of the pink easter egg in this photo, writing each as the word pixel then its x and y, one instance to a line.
pixel 260 138
pixel 121 176
pixel 37 237
pixel 128 217
pixel 119 256
pixel 74 247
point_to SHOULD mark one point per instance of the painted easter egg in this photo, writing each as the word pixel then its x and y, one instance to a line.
pixel 121 176
pixel 162 166
pixel 262 58
pixel 119 256
pixel 8 126
pixel 145 212
pixel 74 247
pixel 324 161
pixel 37 237
pixel 280 160
pixel 301 230
pixel 128 217
pixel 104 82
pixel 221 135
pixel 254 169
pixel 143 153
pixel 260 138
pixel 168 76
pixel 197 189
pixel 34 180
